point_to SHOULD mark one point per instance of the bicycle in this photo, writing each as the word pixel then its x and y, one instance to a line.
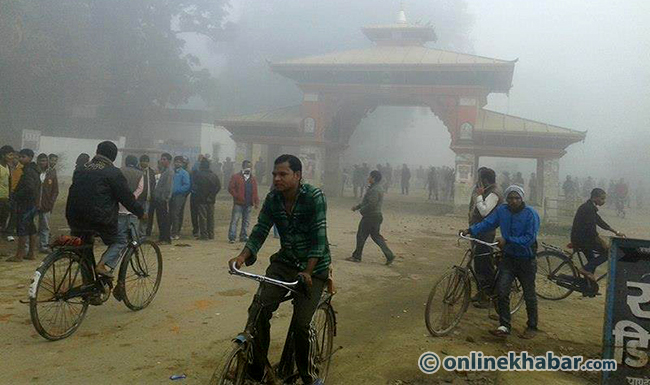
pixel 234 371
pixel 557 276
pixel 456 288
pixel 66 283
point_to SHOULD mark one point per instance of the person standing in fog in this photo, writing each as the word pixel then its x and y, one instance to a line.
pixel 205 187
pixel 6 155
pixel 181 188
pixel 25 196
pixel 47 194
pixel 228 169
pixel 260 170
pixel 146 198
pixel 162 196
pixel 243 188
pixel 405 179
pixel 432 183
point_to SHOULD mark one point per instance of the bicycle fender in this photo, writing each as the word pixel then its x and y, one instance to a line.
pixel 241 339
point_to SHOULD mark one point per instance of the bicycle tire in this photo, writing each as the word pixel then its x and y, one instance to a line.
pixel 46 273
pixel 135 262
pixel 236 356
pixel 324 338
pixel 458 289
pixel 516 298
pixel 550 263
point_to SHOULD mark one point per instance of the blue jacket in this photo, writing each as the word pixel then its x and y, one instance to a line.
pixel 519 230
pixel 182 183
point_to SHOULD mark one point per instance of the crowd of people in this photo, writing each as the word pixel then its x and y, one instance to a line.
pixel 438 181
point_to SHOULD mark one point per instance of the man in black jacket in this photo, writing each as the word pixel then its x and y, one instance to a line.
pixel 206 186
pixel 25 196
pixel 371 219
pixel 97 189
pixel 584 235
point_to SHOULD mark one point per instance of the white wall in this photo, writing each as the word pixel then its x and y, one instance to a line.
pixel 211 135
pixel 68 149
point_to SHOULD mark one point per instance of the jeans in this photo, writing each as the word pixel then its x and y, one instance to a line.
pixel 243 213
pixel 483 265
pixel 176 210
pixel 144 226
pixel 114 252
pixel 162 212
pixel 523 269
pixel 370 226
pixel 267 297
pixel 205 218
pixel 194 215
pixel 44 229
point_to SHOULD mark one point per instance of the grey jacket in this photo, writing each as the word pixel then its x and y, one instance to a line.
pixel 372 201
pixel 133 176
pixel 163 190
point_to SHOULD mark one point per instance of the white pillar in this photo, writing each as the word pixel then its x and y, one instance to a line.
pixel 548 174
pixel 465 169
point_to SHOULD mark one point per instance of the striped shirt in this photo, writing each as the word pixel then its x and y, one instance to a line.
pixel 303 234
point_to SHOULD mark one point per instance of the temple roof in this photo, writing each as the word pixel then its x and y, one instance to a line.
pixel 382 56
pixel 492 122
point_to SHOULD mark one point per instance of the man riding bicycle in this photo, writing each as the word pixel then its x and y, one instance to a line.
pixel 97 189
pixel 584 235
pixel 298 210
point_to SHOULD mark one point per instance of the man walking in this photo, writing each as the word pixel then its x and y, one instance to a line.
pixel 162 196
pixel 519 225
pixel 371 219
pixel 180 190
pixel 243 188
pixel 47 194
pixel 205 187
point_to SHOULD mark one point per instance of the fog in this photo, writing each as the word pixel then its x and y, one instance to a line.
pixel 581 65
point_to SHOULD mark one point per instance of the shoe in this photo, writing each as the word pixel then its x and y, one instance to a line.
pixel 353 259
pixel 118 293
pixel 29 257
pixel 10 239
pixel 501 332
pixel 529 333
pixel 176 237
pixel 231 241
pixel 389 261
pixel 103 270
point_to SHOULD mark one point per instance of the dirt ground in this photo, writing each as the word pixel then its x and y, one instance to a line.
pixel 200 307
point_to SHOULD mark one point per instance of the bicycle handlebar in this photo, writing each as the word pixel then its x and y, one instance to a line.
pixel 492 245
pixel 291 286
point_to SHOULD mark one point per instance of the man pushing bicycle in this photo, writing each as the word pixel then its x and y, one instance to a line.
pixel 298 210
pixel 519 227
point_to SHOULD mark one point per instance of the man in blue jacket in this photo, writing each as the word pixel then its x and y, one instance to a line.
pixel 180 190
pixel 519 227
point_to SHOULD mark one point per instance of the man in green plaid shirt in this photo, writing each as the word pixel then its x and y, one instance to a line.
pixel 298 210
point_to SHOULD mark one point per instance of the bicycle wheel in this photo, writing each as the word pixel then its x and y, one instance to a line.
pixel 324 329
pixel 516 298
pixel 140 275
pixel 552 265
pixel 233 371
pixel 447 302
pixel 54 315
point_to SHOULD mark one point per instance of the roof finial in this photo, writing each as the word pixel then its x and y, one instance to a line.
pixel 401 16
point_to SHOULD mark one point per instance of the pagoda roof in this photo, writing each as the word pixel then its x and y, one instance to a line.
pixel 492 122
pixel 380 57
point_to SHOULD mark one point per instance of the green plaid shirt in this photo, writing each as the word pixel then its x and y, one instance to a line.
pixel 303 234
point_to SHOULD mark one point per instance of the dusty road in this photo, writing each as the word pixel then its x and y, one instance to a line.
pixel 199 308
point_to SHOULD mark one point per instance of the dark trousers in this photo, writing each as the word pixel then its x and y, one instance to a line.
pixel 433 191
pixel 176 210
pixel 405 187
pixel 5 212
pixel 595 257
pixel 266 301
pixel 162 212
pixel 194 215
pixel 483 264
pixel 205 219
pixel 523 269
pixel 12 226
pixel 151 213
pixel 370 226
